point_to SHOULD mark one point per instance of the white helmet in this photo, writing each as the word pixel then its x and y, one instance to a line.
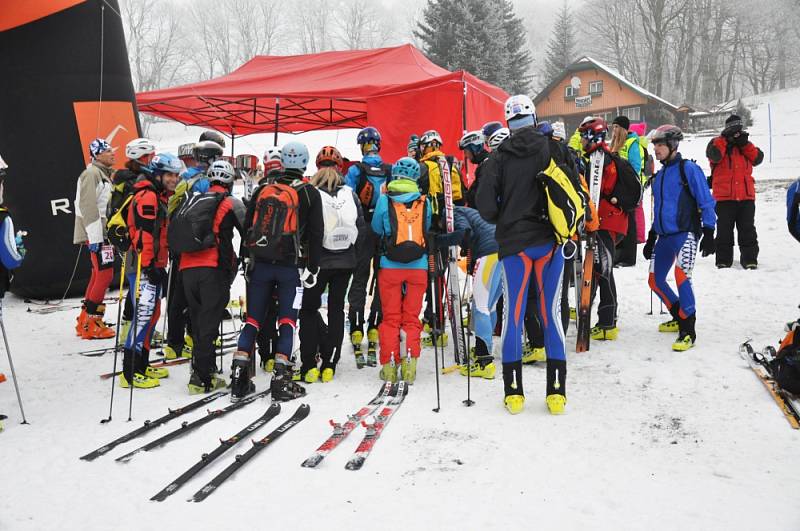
pixel 429 137
pixel 139 147
pixel 497 138
pixel 3 164
pixel 221 171
pixel 519 105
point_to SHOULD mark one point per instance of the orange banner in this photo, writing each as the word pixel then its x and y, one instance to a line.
pixel 15 13
pixel 113 121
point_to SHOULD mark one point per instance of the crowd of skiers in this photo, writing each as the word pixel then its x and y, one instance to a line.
pixel 355 229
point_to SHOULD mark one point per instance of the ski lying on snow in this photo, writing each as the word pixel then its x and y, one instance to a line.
pixel 375 429
pixel 341 431
pixel 760 366
pixel 186 427
pixel 224 446
pixel 152 424
pixel 211 486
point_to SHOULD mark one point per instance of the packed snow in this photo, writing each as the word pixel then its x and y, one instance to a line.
pixel 650 439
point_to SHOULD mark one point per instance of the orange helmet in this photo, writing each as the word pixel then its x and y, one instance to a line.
pixel 329 156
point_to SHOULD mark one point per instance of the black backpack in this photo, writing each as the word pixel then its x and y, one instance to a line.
pixel 192 227
pixel 628 188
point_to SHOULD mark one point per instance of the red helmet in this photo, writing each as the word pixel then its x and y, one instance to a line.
pixel 329 156
pixel 594 130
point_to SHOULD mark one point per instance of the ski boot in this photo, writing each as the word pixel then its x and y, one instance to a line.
pixel 188 346
pixel 356 337
pixel 599 333
pixel 124 328
pixel 170 352
pixel 197 386
pixel 327 374
pixel 573 314
pixel 482 367
pixel 2 418
pixel 512 381
pixel 531 354
pixel 80 325
pixel 388 372
pixel 268 364
pixel 156 372
pixel 372 347
pixel 140 381
pixel 96 328
pixel 311 376
pixel 241 384
pixel 282 386
pixel 408 370
pixel 441 340
pixel 686 335
pixel 673 325
pixel 556 386
pixel 157 338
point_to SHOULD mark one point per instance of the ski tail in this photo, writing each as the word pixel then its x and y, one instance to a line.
pixel 760 366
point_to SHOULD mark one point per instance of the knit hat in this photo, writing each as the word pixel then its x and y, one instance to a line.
pixel 623 122
pixel 733 125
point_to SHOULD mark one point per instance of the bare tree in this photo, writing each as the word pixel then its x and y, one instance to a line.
pixel 312 25
pixel 362 25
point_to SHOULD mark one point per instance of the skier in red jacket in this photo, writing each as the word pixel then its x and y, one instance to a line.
pixel 732 157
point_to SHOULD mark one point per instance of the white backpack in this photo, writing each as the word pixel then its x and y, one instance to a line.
pixel 340 214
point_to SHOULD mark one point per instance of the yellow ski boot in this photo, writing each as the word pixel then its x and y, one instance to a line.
pixel 140 381
pixel 356 338
pixel 441 341
pixel 604 334
pixel 197 387
pixel 268 364
pixel 683 344
pixel 515 404
pixel 169 352
pixel 671 326
pixel 486 371
pixel 327 374
pixel 533 354
pixel 156 372
pixel 408 370
pixel 556 403
pixel 312 375
pixel 388 373
pixel 373 337
pixel 188 346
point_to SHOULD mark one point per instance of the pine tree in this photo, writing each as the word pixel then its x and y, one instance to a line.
pixel 518 69
pixel 561 46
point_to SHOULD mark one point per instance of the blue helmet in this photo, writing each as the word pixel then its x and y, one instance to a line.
pixel 166 163
pixel 490 128
pixel 406 168
pixel 98 146
pixel 369 135
pixel 294 156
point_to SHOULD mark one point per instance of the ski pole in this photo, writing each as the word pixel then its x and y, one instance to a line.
pixel 432 286
pixel 168 298
pixel 11 364
pixel 468 402
pixel 134 326
pixel 117 341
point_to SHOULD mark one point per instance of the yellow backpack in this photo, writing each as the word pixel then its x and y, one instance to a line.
pixel 566 201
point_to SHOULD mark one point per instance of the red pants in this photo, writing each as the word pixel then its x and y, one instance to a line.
pixel 401 308
pixel 101 278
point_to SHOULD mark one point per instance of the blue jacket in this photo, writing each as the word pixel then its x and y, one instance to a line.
pixel 400 191
pixel 677 201
pixel 481 239
pixel 634 155
pixel 353 178
pixel 793 209
pixel 202 184
pixel 10 256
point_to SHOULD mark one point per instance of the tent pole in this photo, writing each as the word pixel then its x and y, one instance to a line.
pixel 277 120
pixel 233 143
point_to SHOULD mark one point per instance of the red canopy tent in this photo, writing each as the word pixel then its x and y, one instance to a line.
pixel 398 90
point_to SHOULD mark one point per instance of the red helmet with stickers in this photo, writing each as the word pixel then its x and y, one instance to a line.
pixel 329 156
pixel 595 130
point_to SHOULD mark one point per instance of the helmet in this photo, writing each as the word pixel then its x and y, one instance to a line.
pixel 221 171
pixel 670 135
pixel 3 168
pixel 98 146
pixel 497 137
pixel 519 105
pixel 294 156
pixel 429 137
pixel 489 128
pixel 185 151
pixel 272 160
pixel 473 141
pixel 559 130
pixel 587 119
pixel 138 148
pixel 369 135
pixel 206 151
pixel 406 168
pixel 166 163
pixel 214 137
pixel 594 129
pixel 545 128
pixel 329 156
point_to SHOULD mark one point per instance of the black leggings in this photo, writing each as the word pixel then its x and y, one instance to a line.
pixel 313 336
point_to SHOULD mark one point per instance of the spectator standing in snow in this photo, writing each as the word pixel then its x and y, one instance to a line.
pixel 732 157
pixel 627 145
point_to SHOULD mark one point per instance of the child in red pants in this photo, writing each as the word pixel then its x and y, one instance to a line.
pixel 402 219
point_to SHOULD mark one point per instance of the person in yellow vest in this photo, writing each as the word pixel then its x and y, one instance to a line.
pixel 575 140
pixel 627 144
pixel 431 163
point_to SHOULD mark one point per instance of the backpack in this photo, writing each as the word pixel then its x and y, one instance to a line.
pixel 793 209
pixel 648 165
pixel 117 210
pixel 192 227
pixel 407 241
pixel 628 188
pixel 275 216
pixel 785 368
pixel 365 189
pixel 340 214
pixel 566 202
pixel 696 222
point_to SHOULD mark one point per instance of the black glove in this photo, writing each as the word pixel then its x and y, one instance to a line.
pixel 647 252
pixel 155 275
pixel 742 139
pixel 449 239
pixel 707 244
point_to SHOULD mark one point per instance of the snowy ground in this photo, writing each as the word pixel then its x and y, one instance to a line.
pixel 651 439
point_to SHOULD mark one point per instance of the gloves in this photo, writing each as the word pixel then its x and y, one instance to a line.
pixel 18 241
pixel 707 244
pixel 94 247
pixel 155 275
pixel 647 252
pixel 449 239
pixel 309 278
pixel 742 139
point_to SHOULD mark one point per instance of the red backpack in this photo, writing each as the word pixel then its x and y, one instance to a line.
pixel 274 217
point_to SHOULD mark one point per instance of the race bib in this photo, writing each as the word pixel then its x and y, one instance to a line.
pixel 107 254
pixel 298 298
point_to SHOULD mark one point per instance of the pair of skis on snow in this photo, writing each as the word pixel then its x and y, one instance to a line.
pixel 759 363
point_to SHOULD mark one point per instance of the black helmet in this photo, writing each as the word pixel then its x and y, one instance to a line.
pixel 213 136
pixel 206 151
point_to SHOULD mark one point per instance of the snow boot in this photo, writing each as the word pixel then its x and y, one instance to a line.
pixel 356 337
pixel 600 333
pixel 372 347
pixel 556 386
pixel 408 370
pixel 673 325
pixel 531 354
pixel 686 335
pixel 197 386
pixel 282 386
pixel 241 385
pixel 512 382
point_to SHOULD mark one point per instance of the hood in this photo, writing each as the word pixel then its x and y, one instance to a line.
pixel 431 155
pixel 373 159
pixel 105 169
pixel 524 142
pixel 403 190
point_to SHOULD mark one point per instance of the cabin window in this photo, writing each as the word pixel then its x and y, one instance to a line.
pixel 570 91
pixel 596 87
pixel 634 114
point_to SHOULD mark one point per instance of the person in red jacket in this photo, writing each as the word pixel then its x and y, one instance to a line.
pixel 612 229
pixel 732 157
pixel 207 276
pixel 147 225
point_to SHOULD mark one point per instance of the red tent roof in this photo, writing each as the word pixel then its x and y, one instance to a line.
pixel 398 90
